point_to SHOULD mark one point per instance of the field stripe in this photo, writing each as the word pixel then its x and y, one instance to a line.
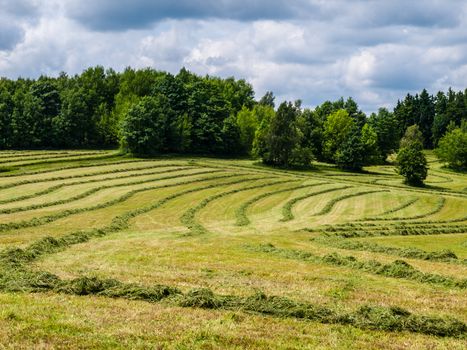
pixel 287 214
pixel 444 256
pixel 104 187
pixel 439 206
pixel 328 207
pixel 80 176
pixel 188 218
pixel 397 269
pixel 241 212
pixel 54 217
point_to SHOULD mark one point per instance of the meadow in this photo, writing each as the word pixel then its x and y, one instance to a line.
pixel 102 250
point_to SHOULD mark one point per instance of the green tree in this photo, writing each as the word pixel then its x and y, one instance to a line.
pixel 426 111
pixel 279 143
pixel 452 147
pixel 311 126
pixel 369 140
pixel 351 153
pixel 267 100
pixel 412 135
pixel 248 123
pixel 74 123
pixel 283 134
pixel 6 111
pixel 441 119
pixel 385 126
pixel 144 127
pixel 337 127
pixel 411 161
pixel 231 137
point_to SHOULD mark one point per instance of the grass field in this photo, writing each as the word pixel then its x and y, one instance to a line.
pixel 100 250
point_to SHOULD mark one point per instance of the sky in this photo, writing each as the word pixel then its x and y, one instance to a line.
pixel 376 51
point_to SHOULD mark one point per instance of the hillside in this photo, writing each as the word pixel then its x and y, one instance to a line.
pixel 181 252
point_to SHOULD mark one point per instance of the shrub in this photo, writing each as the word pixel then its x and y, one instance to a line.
pixel 452 148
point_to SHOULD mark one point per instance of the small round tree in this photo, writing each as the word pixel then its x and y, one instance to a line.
pixel 452 147
pixel 412 165
pixel 411 161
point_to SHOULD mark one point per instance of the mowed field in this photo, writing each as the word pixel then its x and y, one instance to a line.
pixel 101 250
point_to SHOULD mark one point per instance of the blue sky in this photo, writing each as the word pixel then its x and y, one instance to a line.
pixel 373 50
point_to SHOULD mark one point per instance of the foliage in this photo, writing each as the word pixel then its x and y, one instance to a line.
pixel 452 147
pixel 412 137
pixel 412 163
pixel 212 115
pixel 385 126
pixel 145 126
pixel 279 142
pixel 337 128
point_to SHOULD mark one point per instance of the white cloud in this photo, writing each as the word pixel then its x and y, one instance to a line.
pixel 375 51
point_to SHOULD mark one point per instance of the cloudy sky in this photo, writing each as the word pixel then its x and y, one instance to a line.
pixel 373 50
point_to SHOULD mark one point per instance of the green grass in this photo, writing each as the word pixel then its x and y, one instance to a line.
pixel 202 253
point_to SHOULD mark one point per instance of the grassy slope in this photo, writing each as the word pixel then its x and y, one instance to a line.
pixel 161 246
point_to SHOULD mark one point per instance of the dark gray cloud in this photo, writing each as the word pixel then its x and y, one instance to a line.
pixel 373 50
pixel 9 36
pixel 13 16
pixel 426 13
pixel 133 14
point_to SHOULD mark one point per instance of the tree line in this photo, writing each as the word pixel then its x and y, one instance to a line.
pixel 148 112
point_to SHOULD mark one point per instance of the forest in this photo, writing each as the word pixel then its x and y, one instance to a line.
pixel 149 112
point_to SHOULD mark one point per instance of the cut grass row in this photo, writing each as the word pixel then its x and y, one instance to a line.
pixel 310 175
pixel 386 227
pixel 25 158
pixel 445 256
pixel 91 191
pixel 23 154
pixel 400 207
pixel 329 205
pixel 46 161
pixel 287 214
pixel 366 317
pixel 98 173
pixel 397 269
pixel 440 203
pixel 188 218
pixel 34 222
pixel 407 231
pixel 117 161
pixel 241 212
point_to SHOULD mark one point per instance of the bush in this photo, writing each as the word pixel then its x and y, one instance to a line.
pixel 452 148
pixel 145 127
pixel 412 165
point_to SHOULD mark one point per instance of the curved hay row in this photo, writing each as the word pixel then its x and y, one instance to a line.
pixel 84 182
pixel 189 220
pixel 287 213
pixel 398 208
pixel 402 232
pixel 439 206
pixel 328 207
pixel 444 256
pixel 39 221
pixel 241 212
pixel 40 157
pixel 316 176
pixel 103 187
pixel 396 269
pixel 85 175
pixel 23 154
pixel 15 166
pixel 117 161
pixel 387 227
